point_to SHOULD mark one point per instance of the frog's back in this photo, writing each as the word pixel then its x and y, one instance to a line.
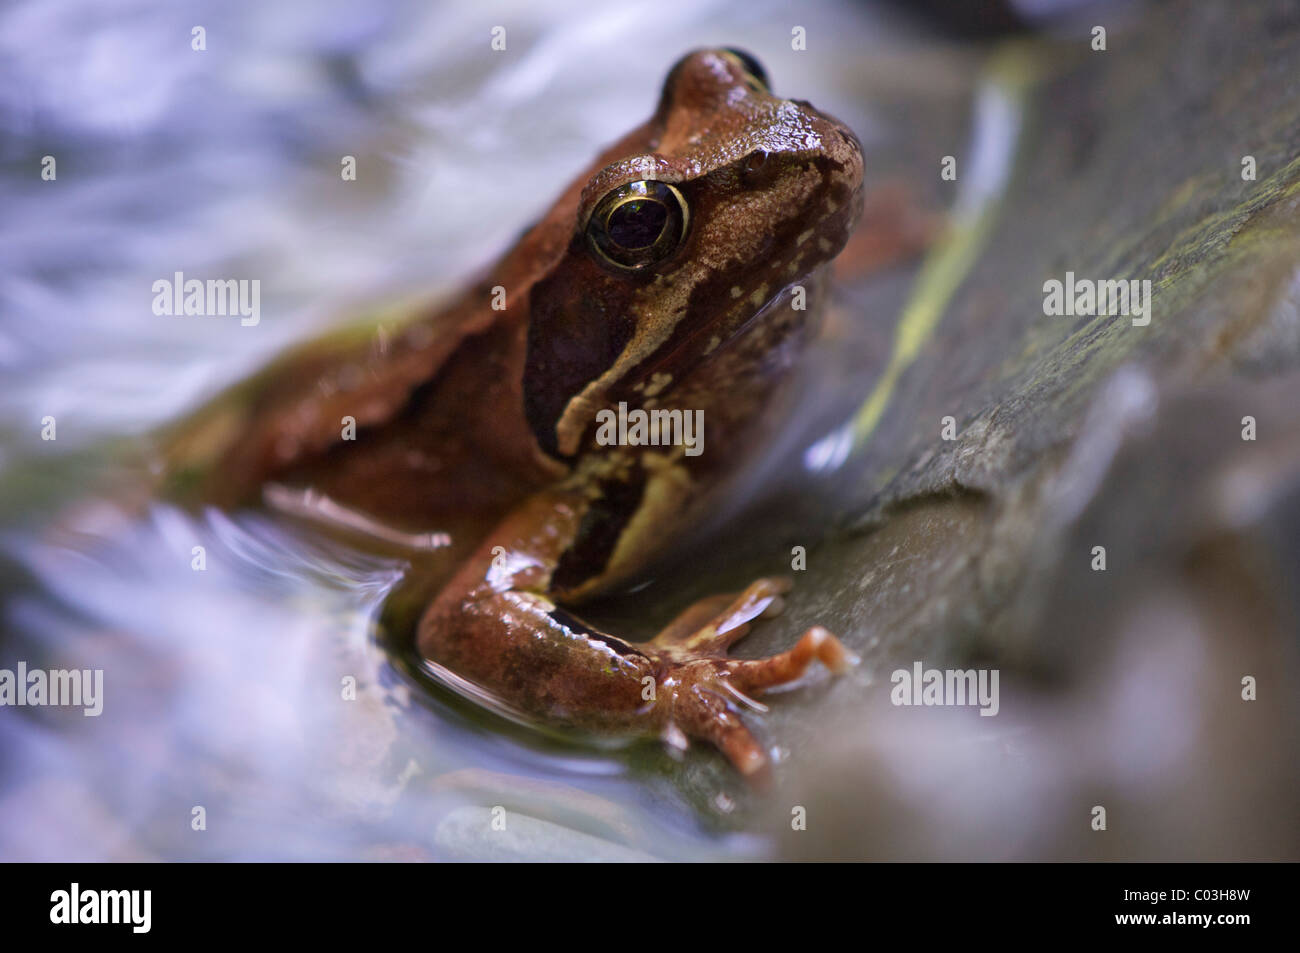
pixel 407 421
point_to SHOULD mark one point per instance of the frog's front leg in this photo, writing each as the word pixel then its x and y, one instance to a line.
pixel 497 626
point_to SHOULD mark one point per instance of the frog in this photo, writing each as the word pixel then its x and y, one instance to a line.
pixel 683 271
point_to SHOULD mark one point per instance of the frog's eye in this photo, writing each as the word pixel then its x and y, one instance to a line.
pixel 638 225
pixel 752 66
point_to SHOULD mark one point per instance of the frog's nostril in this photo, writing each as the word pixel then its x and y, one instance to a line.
pixel 758 169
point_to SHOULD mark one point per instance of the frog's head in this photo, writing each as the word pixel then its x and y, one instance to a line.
pixel 683 231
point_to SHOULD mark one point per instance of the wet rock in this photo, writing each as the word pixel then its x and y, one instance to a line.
pixel 1123 687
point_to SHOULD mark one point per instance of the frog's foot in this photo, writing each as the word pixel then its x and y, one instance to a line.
pixel 705 684
pixel 701 708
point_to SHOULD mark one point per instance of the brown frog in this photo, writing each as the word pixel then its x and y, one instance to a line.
pixel 680 274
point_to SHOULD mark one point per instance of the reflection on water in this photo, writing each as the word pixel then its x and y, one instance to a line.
pixel 230 687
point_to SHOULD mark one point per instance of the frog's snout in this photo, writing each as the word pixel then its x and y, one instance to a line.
pixel 843 167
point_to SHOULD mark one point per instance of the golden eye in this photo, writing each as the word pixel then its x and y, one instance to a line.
pixel 638 225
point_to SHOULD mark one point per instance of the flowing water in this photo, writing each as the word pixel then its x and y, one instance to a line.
pixel 250 708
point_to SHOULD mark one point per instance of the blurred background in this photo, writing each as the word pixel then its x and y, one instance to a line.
pixel 1120 688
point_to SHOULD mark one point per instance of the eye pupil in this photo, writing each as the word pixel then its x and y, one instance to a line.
pixel 637 224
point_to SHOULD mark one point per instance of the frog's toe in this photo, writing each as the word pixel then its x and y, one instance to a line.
pixel 704 692
pixel 754 675
pixel 703 685
pixel 701 711
pixel 711 625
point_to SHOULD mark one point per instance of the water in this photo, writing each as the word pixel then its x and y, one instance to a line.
pixel 229 730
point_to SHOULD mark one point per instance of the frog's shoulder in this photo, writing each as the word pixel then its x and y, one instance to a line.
pixel 296 405
pixel 358 376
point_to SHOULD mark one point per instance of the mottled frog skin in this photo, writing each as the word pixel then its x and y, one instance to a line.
pixel 661 278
